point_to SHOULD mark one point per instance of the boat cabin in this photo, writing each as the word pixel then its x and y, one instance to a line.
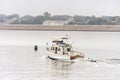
pixel 60 46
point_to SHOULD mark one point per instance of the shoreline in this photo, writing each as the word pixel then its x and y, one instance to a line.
pixel 107 28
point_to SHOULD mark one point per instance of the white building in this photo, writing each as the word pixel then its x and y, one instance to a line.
pixel 55 23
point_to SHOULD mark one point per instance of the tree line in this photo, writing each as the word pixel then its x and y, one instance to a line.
pixel 72 20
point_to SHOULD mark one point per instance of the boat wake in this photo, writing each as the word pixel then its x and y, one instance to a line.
pixel 106 61
pixel 112 61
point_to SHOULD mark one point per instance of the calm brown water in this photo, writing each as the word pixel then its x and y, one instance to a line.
pixel 18 60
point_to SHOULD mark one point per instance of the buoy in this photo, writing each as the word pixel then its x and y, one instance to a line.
pixel 35 47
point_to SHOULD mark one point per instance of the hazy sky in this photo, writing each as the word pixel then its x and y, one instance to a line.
pixel 69 7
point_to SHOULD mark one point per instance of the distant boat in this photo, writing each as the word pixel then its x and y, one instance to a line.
pixel 61 49
pixel 92 60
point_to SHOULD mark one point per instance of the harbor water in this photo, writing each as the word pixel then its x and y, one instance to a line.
pixel 19 60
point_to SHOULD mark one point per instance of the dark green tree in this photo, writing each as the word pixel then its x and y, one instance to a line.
pixel 38 20
pixel 47 16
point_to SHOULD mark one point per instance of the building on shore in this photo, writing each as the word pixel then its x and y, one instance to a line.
pixel 55 23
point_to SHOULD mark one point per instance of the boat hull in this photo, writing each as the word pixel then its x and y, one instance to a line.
pixel 63 57
pixel 57 56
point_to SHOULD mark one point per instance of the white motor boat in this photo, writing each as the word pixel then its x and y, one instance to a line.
pixel 61 49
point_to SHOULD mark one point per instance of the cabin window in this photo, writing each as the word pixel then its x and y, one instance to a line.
pixel 68 49
pixel 67 45
pixel 53 48
pixel 58 49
